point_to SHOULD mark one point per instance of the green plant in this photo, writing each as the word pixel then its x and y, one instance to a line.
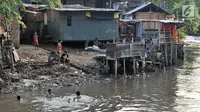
pixel 174 6
pixel 10 9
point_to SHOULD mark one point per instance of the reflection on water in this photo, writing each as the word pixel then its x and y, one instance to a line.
pixel 178 89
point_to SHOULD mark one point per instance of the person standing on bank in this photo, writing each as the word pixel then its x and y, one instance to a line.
pixel 35 38
pixel 59 49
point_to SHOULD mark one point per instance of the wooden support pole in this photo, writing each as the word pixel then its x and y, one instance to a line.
pixel 104 61
pixel 86 43
pixel 124 62
pixel 114 40
pixel 182 52
pixel 175 54
pixel 116 68
pixel 106 64
pixel 171 54
pixel 107 67
pixel 166 55
pixel 143 63
pixel 134 69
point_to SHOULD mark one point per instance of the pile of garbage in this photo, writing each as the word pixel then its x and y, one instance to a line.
pixel 96 49
pixel 29 77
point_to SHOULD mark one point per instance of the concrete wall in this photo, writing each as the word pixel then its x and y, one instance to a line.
pixel 83 28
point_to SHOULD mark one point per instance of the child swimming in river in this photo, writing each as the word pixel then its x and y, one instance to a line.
pixel 77 95
pixel 49 94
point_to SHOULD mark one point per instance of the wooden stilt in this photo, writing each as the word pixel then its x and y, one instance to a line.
pixel 86 43
pixel 175 54
pixel 171 54
pixel 106 64
pixel 134 69
pixel 116 68
pixel 143 64
pixel 114 41
pixel 124 62
pixel 104 61
pixel 182 52
pixel 166 55
pixel 107 67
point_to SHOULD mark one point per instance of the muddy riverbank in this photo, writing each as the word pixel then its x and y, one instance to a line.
pixel 175 90
pixel 33 72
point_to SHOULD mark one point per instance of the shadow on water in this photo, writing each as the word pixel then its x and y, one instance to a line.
pixel 175 90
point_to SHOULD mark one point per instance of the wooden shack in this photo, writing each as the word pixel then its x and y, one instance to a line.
pixel 155 27
pixel 34 19
pixel 79 23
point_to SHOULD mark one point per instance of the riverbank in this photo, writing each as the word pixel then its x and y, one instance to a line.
pixel 33 72
pixel 176 89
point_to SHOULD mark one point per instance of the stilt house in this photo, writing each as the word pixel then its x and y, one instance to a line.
pixel 147 27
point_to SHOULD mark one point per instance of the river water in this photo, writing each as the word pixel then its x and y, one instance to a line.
pixel 176 90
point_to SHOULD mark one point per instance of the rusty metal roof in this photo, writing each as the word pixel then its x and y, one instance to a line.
pixel 151 20
pixel 143 6
pixel 34 5
pixel 78 7
pixel 90 9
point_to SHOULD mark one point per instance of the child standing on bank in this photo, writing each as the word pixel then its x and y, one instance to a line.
pixel 35 38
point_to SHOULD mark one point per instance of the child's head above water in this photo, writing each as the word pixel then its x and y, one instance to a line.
pixel 18 98
pixel 78 93
pixel 49 91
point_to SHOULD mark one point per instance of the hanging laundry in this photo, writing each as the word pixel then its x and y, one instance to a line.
pixel 166 27
pixel 174 33
pixel 120 23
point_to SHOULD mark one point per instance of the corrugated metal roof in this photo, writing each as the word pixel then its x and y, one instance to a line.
pixel 151 20
pixel 78 7
pixel 34 5
pixel 32 12
pixel 143 6
pixel 89 9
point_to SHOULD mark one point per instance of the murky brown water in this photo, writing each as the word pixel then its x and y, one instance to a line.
pixel 178 89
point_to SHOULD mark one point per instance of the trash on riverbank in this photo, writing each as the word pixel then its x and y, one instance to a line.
pixel 33 72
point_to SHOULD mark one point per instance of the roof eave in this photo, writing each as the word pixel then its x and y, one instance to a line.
pixel 83 10
pixel 128 13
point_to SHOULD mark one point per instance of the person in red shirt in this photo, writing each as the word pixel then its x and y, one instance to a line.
pixel 59 49
pixel 35 38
